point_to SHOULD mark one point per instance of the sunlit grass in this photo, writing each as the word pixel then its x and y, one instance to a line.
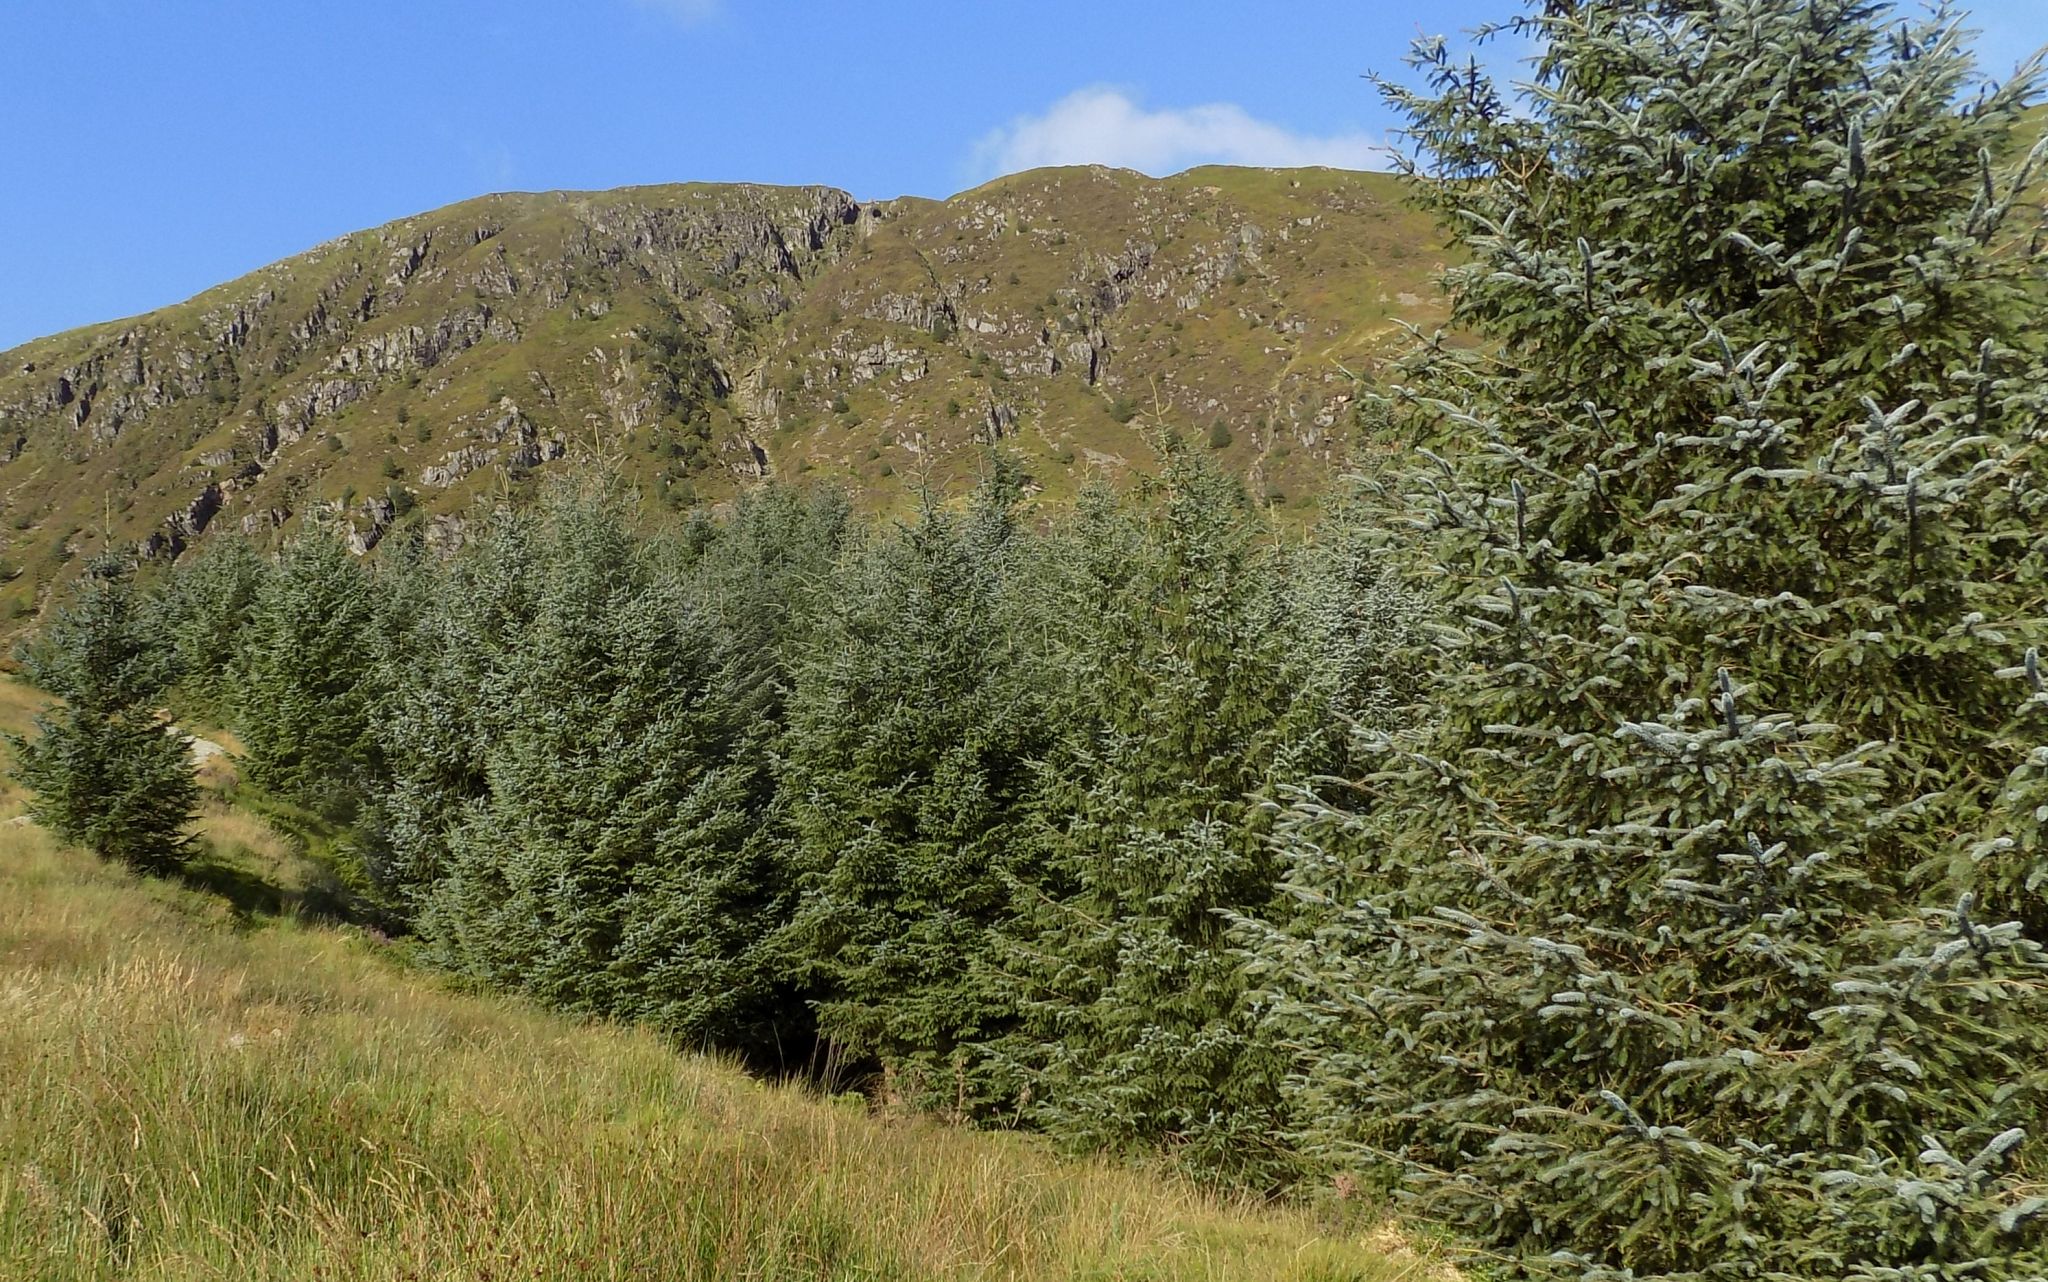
pixel 19 704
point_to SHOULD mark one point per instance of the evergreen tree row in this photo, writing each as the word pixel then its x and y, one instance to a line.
pixel 953 809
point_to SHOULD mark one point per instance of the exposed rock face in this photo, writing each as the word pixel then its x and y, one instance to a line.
pixel 511 435
pixel 446 534
pixel 885 358
pixel 455 465
pixel 702 338
pixel 269 519
pixel 192 521
pixel 419 347
pixel 181 528
pixel 1002 420
pixel 376 517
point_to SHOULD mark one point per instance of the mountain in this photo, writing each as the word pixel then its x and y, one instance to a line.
pixel 702 337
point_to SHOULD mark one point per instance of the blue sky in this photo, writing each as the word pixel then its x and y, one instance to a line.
pixel 149 149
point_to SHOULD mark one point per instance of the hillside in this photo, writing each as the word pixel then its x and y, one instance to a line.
pixel 196 1092
pixel 706 336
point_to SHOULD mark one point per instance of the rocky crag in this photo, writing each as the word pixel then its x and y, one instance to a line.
pixel 702 338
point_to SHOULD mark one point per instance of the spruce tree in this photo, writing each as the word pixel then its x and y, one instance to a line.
pixel 761 578
pixel 303 696
pixel 1651 949
pixel 204 611
pixel 593 832
pixel 107 772
pixel 434 730
pixel 1168 653
pixel 2011 856
pixel 1352 622
pixel 905 769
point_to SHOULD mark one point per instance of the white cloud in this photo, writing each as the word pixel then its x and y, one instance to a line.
pixel 688 12
pixel 1103 126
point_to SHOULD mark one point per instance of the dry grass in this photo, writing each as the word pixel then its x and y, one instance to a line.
pixel 19 703
pixel 191 1093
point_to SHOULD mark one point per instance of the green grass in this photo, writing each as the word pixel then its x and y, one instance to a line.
pixel 196 1092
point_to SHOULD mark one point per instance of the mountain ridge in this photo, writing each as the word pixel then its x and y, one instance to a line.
pixel 705 336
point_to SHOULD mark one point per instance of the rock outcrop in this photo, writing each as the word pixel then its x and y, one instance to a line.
pixel 701 338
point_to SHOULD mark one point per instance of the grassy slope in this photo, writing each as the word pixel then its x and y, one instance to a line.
pixel 192 1093
pixel 1222 294
pixel 531 301
pixel 344 375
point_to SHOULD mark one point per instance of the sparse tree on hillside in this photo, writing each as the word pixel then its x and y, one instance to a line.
pixel 108 774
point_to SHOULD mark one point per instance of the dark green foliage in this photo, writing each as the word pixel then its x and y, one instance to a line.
pixel 108 774
pixel 303 693
pixel 1353 627
pixel 431 727
pixel 579 732
pixel 2012 855
pixel 761 577
pixel 203 610
pixel 962 801
pixel 1173 677
pixel 598 758
pixel 1653 950
pixel 906 767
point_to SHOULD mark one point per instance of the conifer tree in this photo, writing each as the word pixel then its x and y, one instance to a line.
pixel 204 611
pixel 433 729
pixel 303 693
pixel 761 577
pixel 108 774
pixel 594 836
pixel 1352 622
pixel 2012 857
pixel 1648 951
pixel 905 768
pixel 1176 703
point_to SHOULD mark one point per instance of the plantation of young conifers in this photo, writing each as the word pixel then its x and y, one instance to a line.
pixel 1615 837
